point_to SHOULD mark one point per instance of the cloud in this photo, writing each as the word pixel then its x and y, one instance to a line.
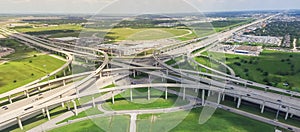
pixel 20 1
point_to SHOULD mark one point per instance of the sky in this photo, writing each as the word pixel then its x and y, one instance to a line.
pixel 138 6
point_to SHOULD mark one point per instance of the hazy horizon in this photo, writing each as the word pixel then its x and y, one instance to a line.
pixel 134 6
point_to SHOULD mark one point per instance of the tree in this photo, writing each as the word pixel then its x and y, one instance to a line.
pixel 237 63
pixel 265 73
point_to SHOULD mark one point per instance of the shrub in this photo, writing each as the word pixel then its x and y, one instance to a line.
pixel 237 63
pixel 265 73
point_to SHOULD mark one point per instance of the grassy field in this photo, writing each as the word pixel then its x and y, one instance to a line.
pixel 103 124
pixel 221 121
pixel 119 34
pixel 122 101
pixel 20 72
pixel 48 28
pixel 21 51
pixel 88 112
pixel 271 67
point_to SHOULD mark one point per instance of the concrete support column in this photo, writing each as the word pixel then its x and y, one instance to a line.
pixel 262 107
pixel 39 88
pixel 77 92
pixel 167 72
pixel 203 95
pixel 131 94
pixel 223 97
pixel 43 111
pixel 64 82
pixel 69 67
pixel 208 93
pixel 100 74
pixel 149 93
pixel 94 104
pixel 9 99
pixel 112 97
pixel 65 73
pixel 239 102
pixel 62 104
pixel 196 90
pixel 219 97
pixel 26 93
pixel 166 93
pixel 133 73
pixel 183 95
pixel 287 113
pixel 68 105
pixel 20 123
pixel 48 114
pixel 75 107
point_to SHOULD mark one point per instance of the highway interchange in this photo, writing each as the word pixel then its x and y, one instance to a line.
pixel 71 87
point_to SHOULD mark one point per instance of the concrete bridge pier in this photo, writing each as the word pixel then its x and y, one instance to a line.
pixel 262 107
pixel 133 71
pixel 287 113
pixel 208 93
pixel 223 97
pixel 166 93
pixel 26 93
pixel 20 123
pixel 112 97
pixel 48 114
pixel 9 99
pixel 69 67
pixel 131 94
pixel 203 95
pixel 219 97
pixel 62 104
pixel 68 105
pixel 94 104
pixel 239 102
pixel 75 107
pixel 44 113
pixel 64 82
pixel 149 93
pixel 183 95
